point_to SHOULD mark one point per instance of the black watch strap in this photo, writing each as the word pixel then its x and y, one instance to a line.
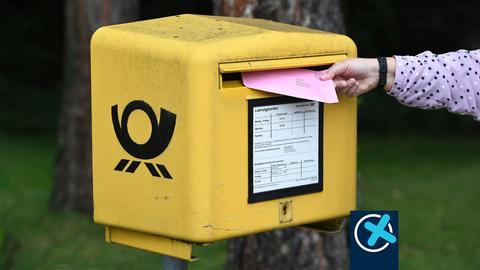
pixel 382 79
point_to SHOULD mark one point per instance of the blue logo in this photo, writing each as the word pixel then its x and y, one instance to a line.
pixel 379 231
pixel 375 240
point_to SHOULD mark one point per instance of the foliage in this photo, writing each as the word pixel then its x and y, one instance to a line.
pixel 379 112
pixel 385 28
pixel 31 55
pixel 30 65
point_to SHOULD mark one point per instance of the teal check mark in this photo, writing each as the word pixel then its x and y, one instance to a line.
pixel 378 231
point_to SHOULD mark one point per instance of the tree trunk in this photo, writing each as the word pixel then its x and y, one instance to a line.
pixel 321 14
pixel 289 248
pixel 73 169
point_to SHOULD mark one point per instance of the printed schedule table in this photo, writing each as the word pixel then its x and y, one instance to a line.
pixel 285 145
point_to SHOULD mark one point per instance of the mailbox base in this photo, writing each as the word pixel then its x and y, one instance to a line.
pixel 155 243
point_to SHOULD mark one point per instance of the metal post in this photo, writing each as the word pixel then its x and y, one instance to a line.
pixel 172 263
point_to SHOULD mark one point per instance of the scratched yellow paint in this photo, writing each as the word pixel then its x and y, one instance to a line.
pixel 177 64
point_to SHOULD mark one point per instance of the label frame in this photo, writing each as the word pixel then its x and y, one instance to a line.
pixel 291 191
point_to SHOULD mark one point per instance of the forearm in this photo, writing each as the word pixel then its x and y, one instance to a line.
pixel 430 81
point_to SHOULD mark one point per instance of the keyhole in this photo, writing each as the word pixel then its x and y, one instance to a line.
pixel 285 211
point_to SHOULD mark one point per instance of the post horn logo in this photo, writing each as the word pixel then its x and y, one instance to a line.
pixel 160 137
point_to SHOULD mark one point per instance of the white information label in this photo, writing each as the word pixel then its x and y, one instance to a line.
pixel 285 146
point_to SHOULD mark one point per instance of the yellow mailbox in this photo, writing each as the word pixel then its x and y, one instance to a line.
pixel 184 154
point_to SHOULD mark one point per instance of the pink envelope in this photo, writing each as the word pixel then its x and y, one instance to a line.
pixel 297 82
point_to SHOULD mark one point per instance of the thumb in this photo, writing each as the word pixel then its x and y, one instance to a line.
pixel 335 70
pixel 327 75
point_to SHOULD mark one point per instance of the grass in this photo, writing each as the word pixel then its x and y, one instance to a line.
pixel 433 181
pixel 57 240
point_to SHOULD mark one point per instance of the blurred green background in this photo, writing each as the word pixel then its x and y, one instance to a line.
pixel 426 164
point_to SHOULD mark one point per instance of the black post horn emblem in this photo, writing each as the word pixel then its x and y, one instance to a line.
pixel 160 137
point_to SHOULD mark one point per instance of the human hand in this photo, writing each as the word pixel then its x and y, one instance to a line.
pixel 355 76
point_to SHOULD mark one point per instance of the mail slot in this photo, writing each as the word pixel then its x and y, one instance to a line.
pixel 184 154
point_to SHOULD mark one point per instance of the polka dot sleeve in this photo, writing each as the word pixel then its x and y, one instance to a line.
pixel 431 81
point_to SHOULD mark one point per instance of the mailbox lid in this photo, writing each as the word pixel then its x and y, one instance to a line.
pixel 227 39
